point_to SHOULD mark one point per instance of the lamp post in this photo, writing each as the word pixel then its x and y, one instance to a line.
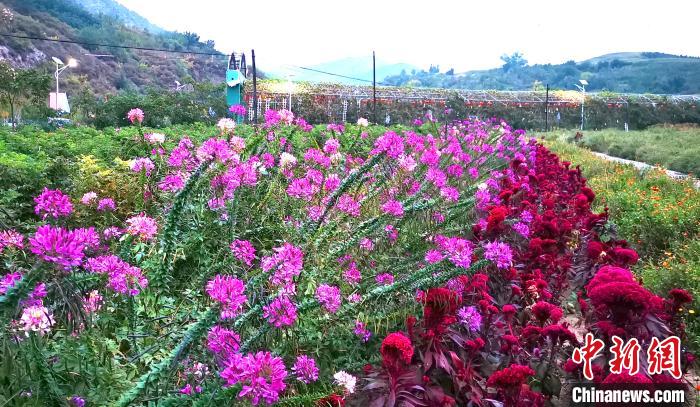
pixel 290 88
pixel 60 67
pixel 582 88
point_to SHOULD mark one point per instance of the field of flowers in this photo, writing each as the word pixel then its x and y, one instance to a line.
pixel 659 215
pixel 438 265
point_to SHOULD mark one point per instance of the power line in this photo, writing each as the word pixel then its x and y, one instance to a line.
pixel 26 37
pixel 113 45
pixel 335 74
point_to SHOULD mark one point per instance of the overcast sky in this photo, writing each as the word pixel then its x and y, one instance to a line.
pixel 464 34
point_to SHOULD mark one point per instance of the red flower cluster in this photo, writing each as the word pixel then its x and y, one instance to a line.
pixel 541 208
pixel 511 377
pixel 396 350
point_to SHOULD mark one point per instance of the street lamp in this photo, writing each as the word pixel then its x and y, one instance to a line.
pixel 60 67
pixel 582 88
pixel 290 88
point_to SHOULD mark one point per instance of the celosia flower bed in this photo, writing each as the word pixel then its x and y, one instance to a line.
pixel 428 267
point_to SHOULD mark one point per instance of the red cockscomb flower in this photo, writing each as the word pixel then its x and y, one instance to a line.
pixel 511 377
pixel 680 296
pixel 626 379
pixel 544 311
pixel 609 274
pixel 334 400
pixel 397 351
pixel 560 333
pixel 594 250
pixel 624 256
pixel 622 299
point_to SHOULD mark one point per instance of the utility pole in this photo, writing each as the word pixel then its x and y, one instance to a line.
pixel 374 86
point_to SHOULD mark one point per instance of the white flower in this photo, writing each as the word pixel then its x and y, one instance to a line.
pixel 362 122
pixel 337 158
pixel 226 125
pixel 37 319
pixel 88 198
pixel 346 380
pixel 407 162
pixel 237 144
pixel 286 116
pixel 154 138
pixel 287 160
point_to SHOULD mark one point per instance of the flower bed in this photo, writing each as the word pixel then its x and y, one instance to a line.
pixel 426 267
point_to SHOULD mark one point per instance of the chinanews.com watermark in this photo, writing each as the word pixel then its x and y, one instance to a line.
pixel 628 395
pixel 628 384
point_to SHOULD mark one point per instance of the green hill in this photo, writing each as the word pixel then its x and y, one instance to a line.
pixel 115 10
pixel 103 69
pixel 633 72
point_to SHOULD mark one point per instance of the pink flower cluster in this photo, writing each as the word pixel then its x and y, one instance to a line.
pixel 61 246
pixel 11 238
pixel 223 342
pixel 305 369
pixel 238 110
pixel 393 207
pixel 229 292
pixel 135 115
pixel 286 263
pixel 142 226
pixel 123 277
pixel 54 203
pixel 216 150
pixel 456 249
pixel 261 376
pixel 280 312
pixel 37 319
pixel 143 164
pixel 244 251
pixel 329 297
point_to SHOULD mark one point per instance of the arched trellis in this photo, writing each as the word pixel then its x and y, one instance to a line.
pixel 531 109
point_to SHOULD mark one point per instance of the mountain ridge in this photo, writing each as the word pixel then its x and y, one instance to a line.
pixel 624 72
pixel 119 12
pixel 103 70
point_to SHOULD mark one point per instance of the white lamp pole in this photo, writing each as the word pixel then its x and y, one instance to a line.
pixel 290 87
pixel 60 67
pixel 582 88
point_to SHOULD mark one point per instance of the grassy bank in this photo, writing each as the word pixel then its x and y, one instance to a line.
pixel 674 147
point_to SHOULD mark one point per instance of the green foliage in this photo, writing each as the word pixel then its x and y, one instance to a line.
pixel 165 108
pixel 673 147
pixel 20 87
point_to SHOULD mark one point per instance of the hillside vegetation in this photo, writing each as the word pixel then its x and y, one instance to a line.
pixel 633 72
pixel 121 69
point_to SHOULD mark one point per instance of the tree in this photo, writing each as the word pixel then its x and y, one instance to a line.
pixel 513 61
pixel 190 38
pixel 19 87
